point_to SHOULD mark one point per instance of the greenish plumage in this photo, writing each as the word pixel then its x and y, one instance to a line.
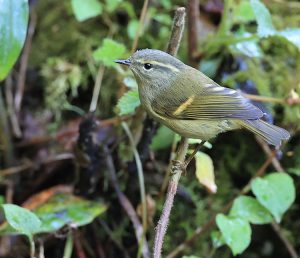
pixel 190 103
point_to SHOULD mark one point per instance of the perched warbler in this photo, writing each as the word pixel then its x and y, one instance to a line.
pixel 190 103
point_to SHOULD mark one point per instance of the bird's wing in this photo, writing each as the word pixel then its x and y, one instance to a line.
pixel 192 102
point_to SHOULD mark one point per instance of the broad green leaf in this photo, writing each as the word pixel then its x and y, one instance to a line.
pixel 205 171
pixel 130 82
pixel 128 102
pixel 109 52
pixel 112 5
pixel 21 219
pixel 250 209
pixel 295 171
pixel 236 232
pixel 66 209
pixel 217 239
pixel 86 9
pixel 13 28
pixel 210 66
pixel 163 138
pixel 292 35
pixel 132 28
pixel 243 12
pixel 263 19
pixel 276 192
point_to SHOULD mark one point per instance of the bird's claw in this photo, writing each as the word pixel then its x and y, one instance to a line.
pixel 178 166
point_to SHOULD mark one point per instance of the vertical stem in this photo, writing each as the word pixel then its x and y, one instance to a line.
pixel 193 16
pixel 97 88
pixel 141 183
pixel 161 229
pixel 142 20
pixel 225 24
pixel 162 224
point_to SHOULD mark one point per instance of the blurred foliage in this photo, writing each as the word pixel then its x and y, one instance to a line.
pixel 250 45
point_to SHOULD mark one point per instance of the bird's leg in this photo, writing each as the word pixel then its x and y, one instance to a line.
pixel 189 159
pixel 179 165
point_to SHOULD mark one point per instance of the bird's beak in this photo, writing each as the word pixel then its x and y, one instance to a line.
pixel 123 62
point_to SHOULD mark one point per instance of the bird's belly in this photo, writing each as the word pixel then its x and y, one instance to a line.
pixel 201 129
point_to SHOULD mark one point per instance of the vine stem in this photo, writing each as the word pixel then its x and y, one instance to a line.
pixel 162 224
pixel 161 228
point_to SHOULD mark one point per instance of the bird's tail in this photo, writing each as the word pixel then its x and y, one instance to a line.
pixel 270 133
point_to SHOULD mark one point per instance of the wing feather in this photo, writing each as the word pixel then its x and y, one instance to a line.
pixel 193 102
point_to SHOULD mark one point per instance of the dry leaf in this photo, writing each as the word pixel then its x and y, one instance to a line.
pixel 205 171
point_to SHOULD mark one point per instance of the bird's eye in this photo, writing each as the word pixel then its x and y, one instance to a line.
pixel 147 66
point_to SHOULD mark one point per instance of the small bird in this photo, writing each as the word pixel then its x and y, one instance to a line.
pixel 190 103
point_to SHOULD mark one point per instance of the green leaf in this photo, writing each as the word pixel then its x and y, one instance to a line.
pixel 109 52
pixel 128 102
pixel 243 12
pixel 13 28
pixel 163 138
pixel 292 35
pixel 22 220
pixel 66 209
pixel 263 19
pixel 130 82
pixel 205 171
pixel 132 28
pixel 250 209
pixel 210 66
pixel 112 5
pixel 236 232
pixel 86 9
pixel 276 192
pixel 217 239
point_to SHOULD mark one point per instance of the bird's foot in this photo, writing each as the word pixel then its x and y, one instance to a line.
pixel 178 166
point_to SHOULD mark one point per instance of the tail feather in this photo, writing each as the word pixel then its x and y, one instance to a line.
pixel 270 133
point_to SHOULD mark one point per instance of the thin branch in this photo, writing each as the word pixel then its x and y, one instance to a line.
pixel 10 107
pixel 266 148
pixel 97 88
pixel 141 178
pixel 284 240
pixel 177 31
pixel 161 229
pixel 162 224
pixel 193 16
pixel 24 62
pixel 125 203
pixel 77 243
pixel 263 98
pixel 141 23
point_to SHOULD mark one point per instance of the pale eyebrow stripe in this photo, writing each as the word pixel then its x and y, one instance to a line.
pixel 171 67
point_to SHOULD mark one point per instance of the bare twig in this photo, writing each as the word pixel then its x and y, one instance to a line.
pixel 266 148
pixel 193 16
pixel 97 88
pixel 78 246
pixel 284 240
pixel 177 31
pixel 162 224
pixel 141 178
pixel 10 107
pixel 141 23
pixel 24 61
pixel 125 203
pixel 174 42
